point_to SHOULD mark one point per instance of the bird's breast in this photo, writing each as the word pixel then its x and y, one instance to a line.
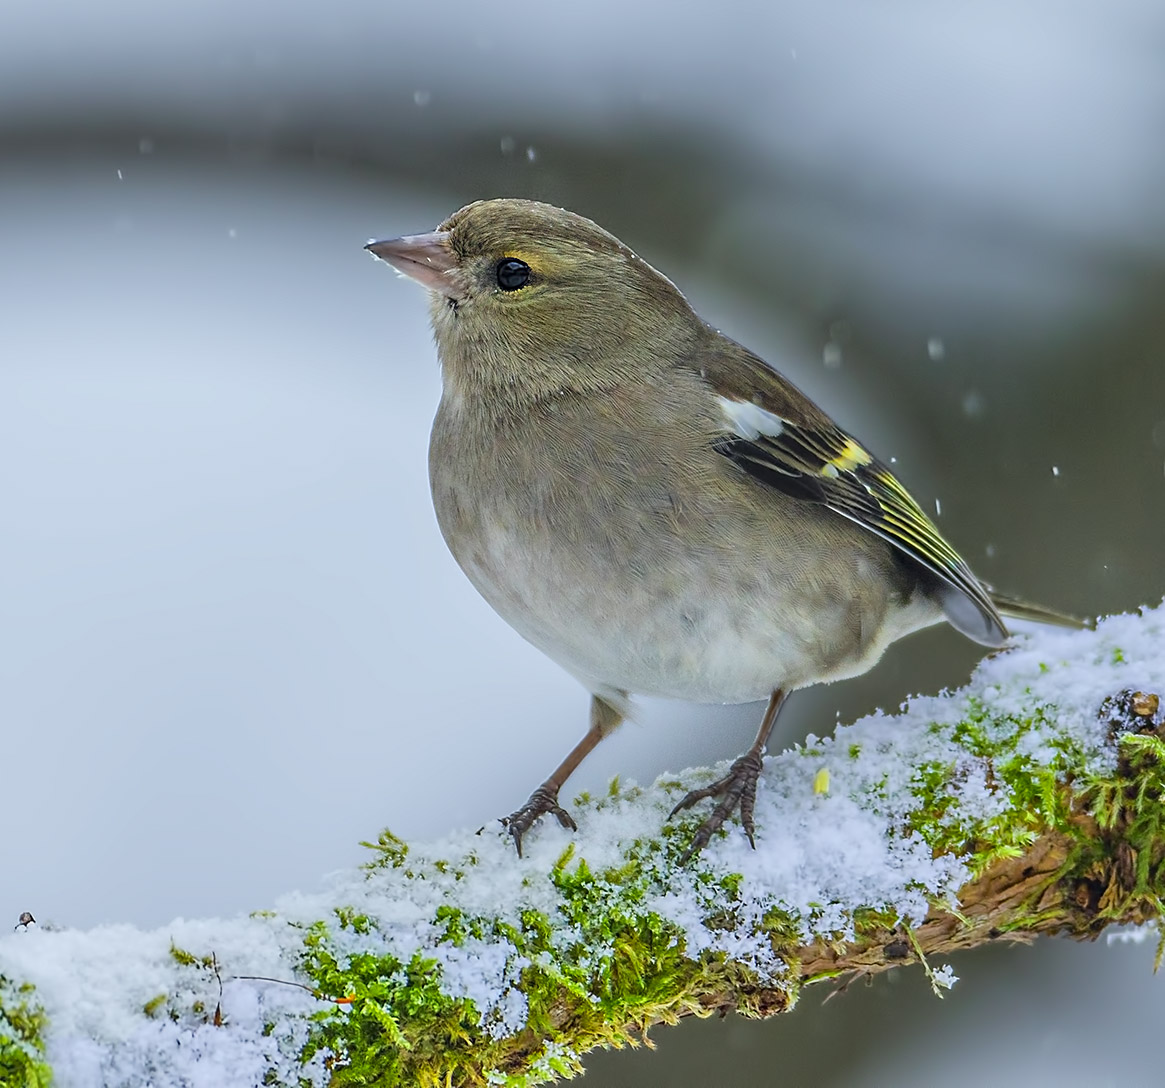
pixel 645 573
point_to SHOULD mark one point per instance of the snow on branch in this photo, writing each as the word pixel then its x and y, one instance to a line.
pixel 1028 802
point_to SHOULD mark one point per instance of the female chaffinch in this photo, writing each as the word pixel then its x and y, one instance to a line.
pixel 650 503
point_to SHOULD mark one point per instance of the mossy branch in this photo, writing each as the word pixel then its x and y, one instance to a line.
pixel 1030 802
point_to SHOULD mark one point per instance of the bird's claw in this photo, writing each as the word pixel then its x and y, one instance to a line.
pixel 737 789
pixel 543 801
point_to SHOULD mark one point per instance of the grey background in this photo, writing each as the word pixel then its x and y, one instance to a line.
pixel 232 644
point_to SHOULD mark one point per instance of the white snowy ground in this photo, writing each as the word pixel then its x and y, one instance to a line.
pixel 820 855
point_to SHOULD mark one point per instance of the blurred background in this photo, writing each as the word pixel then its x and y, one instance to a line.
pixel 232 643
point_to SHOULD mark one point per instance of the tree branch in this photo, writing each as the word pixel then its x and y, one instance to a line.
pixel 1029 802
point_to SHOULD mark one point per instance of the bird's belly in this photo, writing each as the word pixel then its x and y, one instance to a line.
pixel 693 625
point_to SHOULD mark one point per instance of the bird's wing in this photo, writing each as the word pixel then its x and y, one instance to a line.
pixel 780 437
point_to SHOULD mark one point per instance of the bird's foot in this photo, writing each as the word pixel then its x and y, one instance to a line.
pixel 542 801
pixel 737 789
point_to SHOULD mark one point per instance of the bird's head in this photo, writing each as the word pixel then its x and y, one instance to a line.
pixel 538 300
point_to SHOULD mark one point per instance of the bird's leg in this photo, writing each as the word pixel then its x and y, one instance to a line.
pixel 605 718
pixel 737 789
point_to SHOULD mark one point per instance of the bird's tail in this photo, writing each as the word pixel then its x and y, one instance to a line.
pixel 1018 609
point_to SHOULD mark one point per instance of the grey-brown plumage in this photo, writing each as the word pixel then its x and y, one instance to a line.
pixel 647 501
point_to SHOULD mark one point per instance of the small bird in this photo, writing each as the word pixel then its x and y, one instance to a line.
pixel 651 504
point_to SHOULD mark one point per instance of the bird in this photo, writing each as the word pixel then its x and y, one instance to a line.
pixel 650 503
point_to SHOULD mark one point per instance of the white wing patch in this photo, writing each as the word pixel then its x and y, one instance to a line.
pixel 749 420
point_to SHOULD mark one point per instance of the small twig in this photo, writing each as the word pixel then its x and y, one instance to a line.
pixel 938 987
pixel 217 975
pixel 287 982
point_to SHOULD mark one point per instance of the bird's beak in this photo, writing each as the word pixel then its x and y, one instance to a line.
pixel 426 258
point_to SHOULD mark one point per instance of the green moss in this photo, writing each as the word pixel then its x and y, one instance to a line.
pixel 599 973
pixel 395 1025
pixel 187 959
pixel 620 970
pixel 22 1026
pixel 391 852
pixel 1036 800
pixel 1126 863
pixel 604 967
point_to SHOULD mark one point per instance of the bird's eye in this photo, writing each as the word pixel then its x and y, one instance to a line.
pixel 512 273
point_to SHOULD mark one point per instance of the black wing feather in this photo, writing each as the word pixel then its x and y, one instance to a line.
pixel 826 466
